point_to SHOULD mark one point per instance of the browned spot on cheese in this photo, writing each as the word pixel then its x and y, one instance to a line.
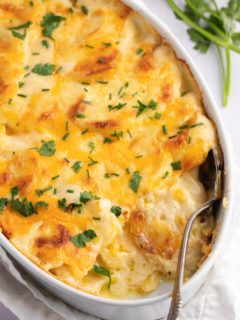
pixel 23 183
pixel 177 142
pixel 105 124
pixel 145 64
pixel 149 239
pixel 124 13
pixel 45 116
pixel 18 11
pixel 58 240
pixel 6 233
pixel 5 177
pixel 166 92
pixel 78 107
pixel 3 86
pixel 101 64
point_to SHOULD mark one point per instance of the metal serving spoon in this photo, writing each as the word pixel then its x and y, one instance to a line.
pixel 210 174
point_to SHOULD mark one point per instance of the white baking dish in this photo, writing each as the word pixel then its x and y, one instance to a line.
pixel 155 305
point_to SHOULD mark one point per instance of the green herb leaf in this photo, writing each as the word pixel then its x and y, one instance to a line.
pixel 24 207
pixel 116 210
pixel 91 146
pixel 23 28
pixel 47 149
pixel 176 165
pixel 85 197
pixel 117 107
pixel 62 204
pixel 103 271
pixel 41 204
pixel 49 23
pixel 202 43
pixel 84 10
pixel 135 181
pixel 143 107
pixel 81 239
pixel 14 192
pixel 44 69
pixel 41 192
pixel 3 203
pixel 77 166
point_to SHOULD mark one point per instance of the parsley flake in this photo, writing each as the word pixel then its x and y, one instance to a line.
pixel 103 271
pixel 135 181
pixel 47 149
pixel 81 239
pixel 44 69
pixel 49 23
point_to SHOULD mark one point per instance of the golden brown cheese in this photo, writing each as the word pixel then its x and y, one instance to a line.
pixel 117 115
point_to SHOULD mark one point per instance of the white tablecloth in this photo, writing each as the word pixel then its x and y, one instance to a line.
pixel 219 298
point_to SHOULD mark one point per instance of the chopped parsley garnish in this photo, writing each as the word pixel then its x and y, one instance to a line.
pixel 127 171
pixel 85 197
pixel 81 239
pixel 70 191
pixel 165 175
pixel 80 115
pixel 97 218
pixel 125 86
pixel 140 52
pixel 135 181
pixel 41 204
pixel 22 95
pixel 44 69
pixel 117 134
pixel 23 27
pixel 67 134
pixel 116 210
pixel 104 272
pixel 21 84
pixel 84 10
pixel 107 44
pixel 3 203
pixel 45 43
pixel 164 129
pixel 109 175
pixel 93 162
pixel 62 204
pixel 117 107
pixel 102 82
pixel 77 166
pixel 40 192
pixel 55 177
pixel 107 140
pixel 91 146
pixel 24 207
pixel 14 192
pixel 197 125
pixel 85 131
pixel 143 107
pixel 47 149
pixel 176 165
pixel 49 23
pixel 157 115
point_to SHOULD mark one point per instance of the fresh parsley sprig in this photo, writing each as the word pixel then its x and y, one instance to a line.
pixel 211 24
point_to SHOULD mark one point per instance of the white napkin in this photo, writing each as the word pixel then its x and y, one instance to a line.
pixel 218 299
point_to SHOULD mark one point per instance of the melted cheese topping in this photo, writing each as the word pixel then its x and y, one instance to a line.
pixel 117 99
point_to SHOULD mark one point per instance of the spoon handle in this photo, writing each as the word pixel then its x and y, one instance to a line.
pixel 176 303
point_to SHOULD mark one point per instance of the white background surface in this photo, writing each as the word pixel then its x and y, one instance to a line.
pixel 209 66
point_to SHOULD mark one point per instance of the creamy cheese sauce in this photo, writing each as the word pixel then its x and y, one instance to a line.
pixel 102 131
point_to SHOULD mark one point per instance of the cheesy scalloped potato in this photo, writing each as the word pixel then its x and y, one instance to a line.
pixel 102 132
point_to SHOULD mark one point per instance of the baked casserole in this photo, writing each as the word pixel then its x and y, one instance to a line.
pixel 102 133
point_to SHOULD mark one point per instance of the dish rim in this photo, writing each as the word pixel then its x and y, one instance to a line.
pixel 211 107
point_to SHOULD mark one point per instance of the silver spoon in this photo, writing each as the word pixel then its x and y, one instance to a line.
pixel 210 174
